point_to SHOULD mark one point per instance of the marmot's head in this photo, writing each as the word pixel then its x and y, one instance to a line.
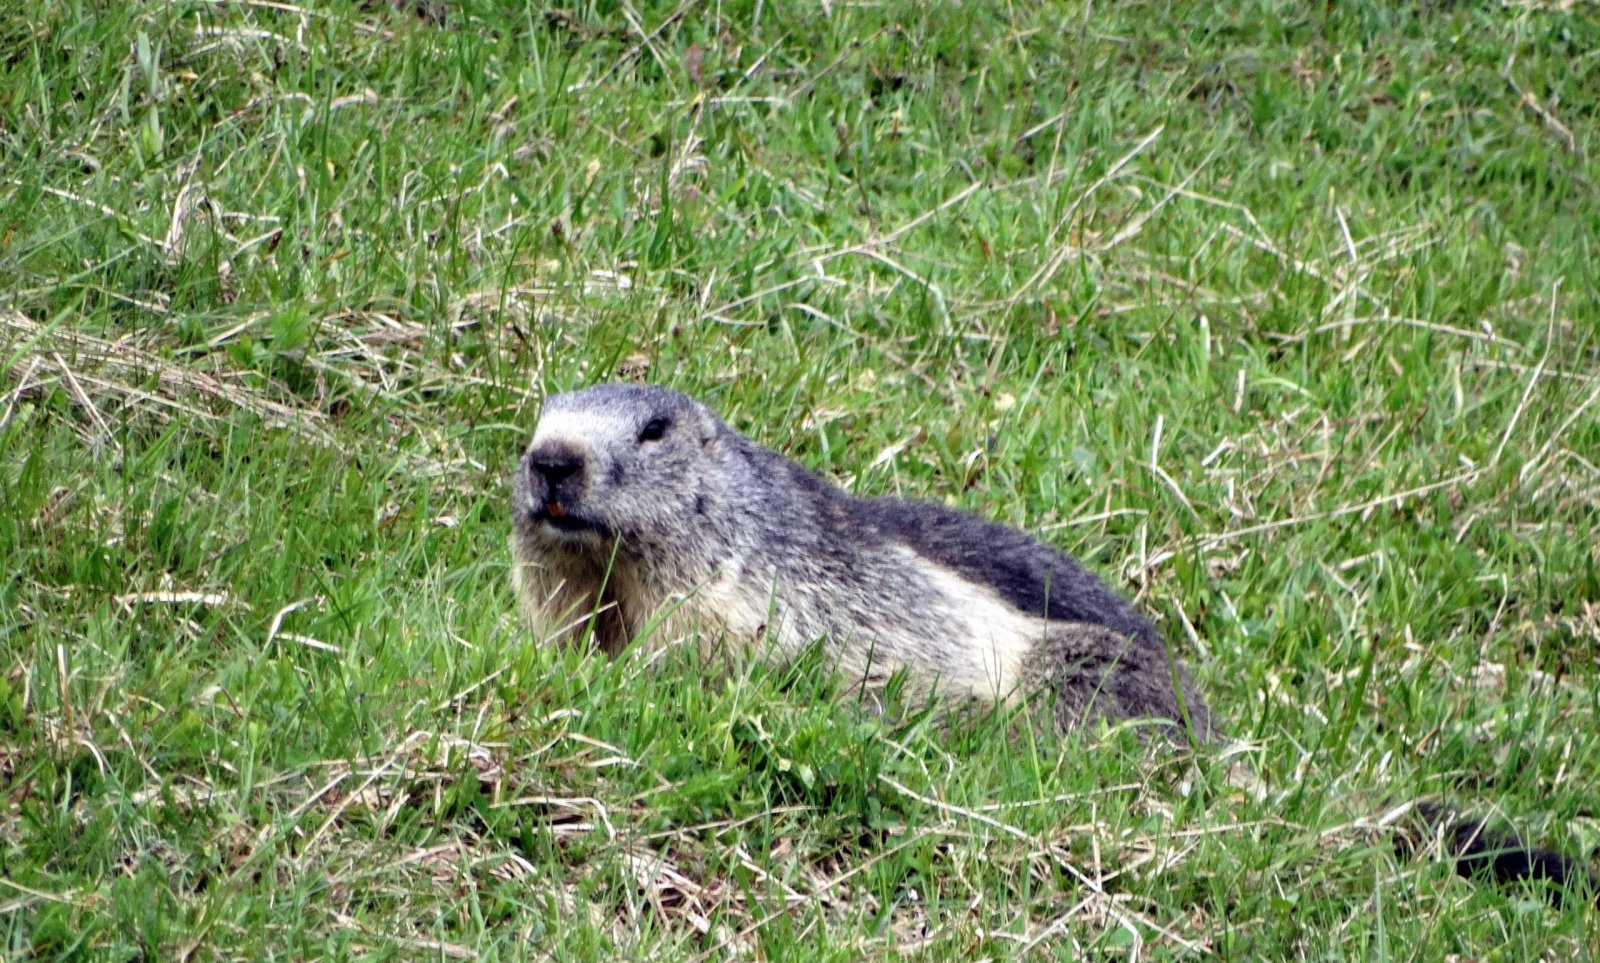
pixel 624 463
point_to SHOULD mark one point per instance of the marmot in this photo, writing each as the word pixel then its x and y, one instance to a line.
pixel 636 503
pixel 637 512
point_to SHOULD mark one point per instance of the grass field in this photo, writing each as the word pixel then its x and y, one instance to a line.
pixel 1286 320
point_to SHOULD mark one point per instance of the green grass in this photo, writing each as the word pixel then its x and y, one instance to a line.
pixel 1283 319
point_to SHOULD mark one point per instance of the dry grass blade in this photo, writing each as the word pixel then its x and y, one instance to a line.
pixel 122 372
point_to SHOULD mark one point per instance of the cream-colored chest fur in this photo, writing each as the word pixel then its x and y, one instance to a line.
pixel 970 642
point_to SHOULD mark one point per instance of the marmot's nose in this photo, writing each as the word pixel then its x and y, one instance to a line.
pixel 556 465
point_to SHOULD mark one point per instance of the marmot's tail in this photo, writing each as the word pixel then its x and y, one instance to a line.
pixel 1482 852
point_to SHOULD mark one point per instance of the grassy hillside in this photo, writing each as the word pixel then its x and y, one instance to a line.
pixel 1285 319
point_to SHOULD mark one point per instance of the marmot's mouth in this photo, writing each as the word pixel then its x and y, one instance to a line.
pixel 566 523
pixel 560 518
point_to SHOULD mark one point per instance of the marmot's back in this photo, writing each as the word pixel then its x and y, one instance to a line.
pixel 1100 656
pixel 636 503
pixel 1027 573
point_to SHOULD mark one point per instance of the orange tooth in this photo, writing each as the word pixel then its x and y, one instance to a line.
pixel 556 511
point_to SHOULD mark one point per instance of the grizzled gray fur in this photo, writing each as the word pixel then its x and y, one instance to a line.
pixel 638 513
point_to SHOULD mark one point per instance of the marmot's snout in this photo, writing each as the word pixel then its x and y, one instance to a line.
pixel 558 465
pixel 556 478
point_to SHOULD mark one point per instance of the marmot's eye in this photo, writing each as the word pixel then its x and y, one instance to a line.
pixel 653 429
